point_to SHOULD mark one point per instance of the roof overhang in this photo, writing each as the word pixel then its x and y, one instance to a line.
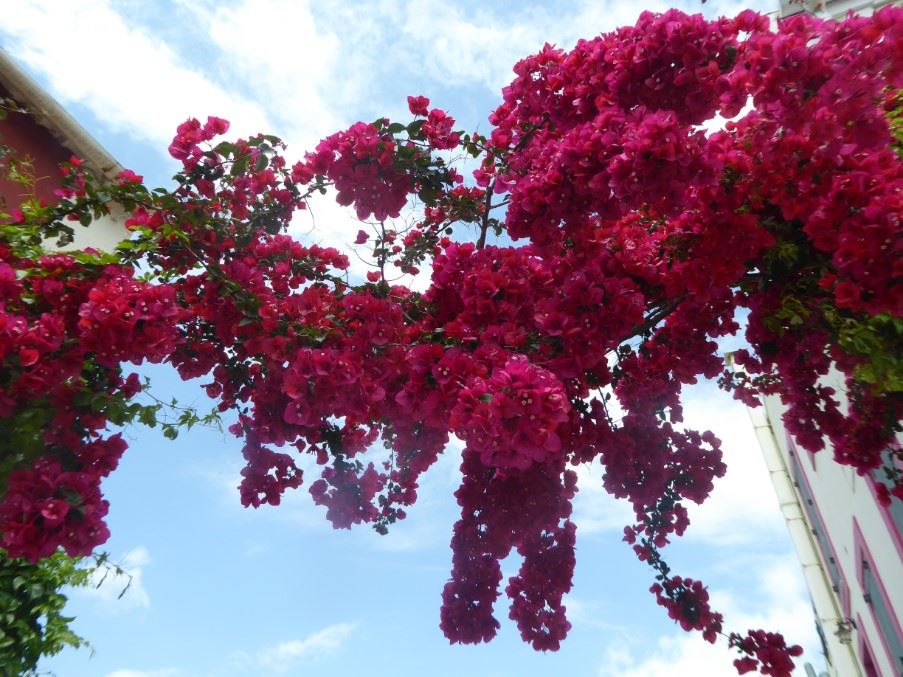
pixel 51 115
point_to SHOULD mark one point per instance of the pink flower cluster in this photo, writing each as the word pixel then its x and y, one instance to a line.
pixel 62 326
pixel 687 602
pixel 124 320
pixel 360 162
pixel 190 134
pixel 765 651
pixel 645 238
pixel 45 508
pixel 511 418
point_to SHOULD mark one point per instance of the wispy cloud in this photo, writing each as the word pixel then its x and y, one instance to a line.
pixel 118 591
pixel 131 80
pixel 743 505
pixel 776 599
pixel 479 47
pixel 591 613
pixel 165 672
pixel 282 657
pixel 595 510
pixel 295 81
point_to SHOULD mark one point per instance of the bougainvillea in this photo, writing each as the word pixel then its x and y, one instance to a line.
pixel 635 239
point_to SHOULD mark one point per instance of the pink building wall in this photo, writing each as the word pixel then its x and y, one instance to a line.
pixel 22 133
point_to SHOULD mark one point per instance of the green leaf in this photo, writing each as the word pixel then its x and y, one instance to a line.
pixel 31 622
pixel 415 129
pixel 224 148
pixel 239 166
pixel 428 195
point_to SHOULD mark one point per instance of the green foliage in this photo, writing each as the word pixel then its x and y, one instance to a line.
pixel 170 416
pixel 27 234
pixel 32 624
pixel 32 596
pixel 877 340
pixel 895 119
pixel 874 340
pixel 23 438
pixel 791 315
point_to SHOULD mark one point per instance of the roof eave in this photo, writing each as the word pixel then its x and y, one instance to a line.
pixel 56 119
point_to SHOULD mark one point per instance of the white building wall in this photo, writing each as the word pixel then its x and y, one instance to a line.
pixel 835 9
pixel 852 517
pixel 103 233
pixel 829 615
pixel 859 537
pixel 851 538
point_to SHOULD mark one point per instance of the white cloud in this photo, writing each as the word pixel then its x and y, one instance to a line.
pixel 254 549
pixel 776 600
pixel 282 657
pixel 595 510
pixel 165 672
pixel 121 590
pixel 591 614
pixel 294 81
pixel 743 507
pixel 467 47
pixel 672 655
pixel 130 79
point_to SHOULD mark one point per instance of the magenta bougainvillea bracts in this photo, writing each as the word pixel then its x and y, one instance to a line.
pixel 633 240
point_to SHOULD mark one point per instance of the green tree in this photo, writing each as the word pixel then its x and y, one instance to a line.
pixel 32 623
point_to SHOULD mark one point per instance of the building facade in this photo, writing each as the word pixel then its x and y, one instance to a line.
pixel 46 134
pixel 849 544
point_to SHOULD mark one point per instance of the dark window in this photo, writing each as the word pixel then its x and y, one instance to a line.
pixel 868 663
pixel 881 475
pixel 817 526
pixel 821 636
pixel 886 626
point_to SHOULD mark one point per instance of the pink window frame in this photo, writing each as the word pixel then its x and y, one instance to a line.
pixel 864 644
pixel 843 592
pixel 886 516
pixel 862 552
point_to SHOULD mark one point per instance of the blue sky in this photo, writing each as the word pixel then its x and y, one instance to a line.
pixel 221 590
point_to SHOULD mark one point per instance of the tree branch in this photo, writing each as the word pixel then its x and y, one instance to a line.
pixel 484 224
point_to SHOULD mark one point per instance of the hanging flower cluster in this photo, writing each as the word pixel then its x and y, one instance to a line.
pixel 637 236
